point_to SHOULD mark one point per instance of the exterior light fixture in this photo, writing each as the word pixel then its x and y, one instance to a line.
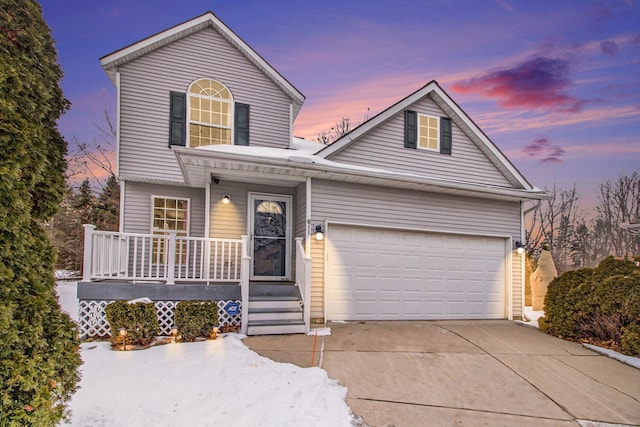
pixel 174 333
pixel 123 334
pixel 520 247
pixel 226 199
pixel 214 332
pixel 319 232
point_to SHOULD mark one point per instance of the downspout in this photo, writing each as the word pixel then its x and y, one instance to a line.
pixel 307 236
pixel 121 214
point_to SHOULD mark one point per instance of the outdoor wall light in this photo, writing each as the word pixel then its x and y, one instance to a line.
pixel 520 247
pixel 319 232
pixel 226 199
pixel 123 334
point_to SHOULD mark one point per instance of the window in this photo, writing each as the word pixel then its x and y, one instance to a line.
pixel 169 214
pixel 210 113
pixel 428 131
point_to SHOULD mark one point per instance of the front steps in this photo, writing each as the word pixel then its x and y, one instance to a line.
pixel 275 309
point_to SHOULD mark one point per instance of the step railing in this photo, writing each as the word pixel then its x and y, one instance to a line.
pixel 160 257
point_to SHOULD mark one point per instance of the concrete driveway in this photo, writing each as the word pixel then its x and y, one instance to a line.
pixel 465 373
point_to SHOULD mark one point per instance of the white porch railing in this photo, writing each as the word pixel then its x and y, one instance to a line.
pixel 303 281
pixel 145 257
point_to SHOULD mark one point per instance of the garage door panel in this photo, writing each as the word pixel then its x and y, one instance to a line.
pixel 388 274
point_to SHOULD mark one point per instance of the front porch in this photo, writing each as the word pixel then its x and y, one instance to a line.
pixel 168 268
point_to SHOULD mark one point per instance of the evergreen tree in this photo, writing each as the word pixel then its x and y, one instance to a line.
pixel 106 210
pixel 39 356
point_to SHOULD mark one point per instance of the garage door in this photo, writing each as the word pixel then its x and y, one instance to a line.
pixel 400 275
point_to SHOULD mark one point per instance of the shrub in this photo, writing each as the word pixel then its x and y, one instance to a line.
pixel 559 304
pixel 630 340
pixel 195 318
pixel 601 304
pixel 140 319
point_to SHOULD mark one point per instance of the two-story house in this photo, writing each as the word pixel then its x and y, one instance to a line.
pixel 415 214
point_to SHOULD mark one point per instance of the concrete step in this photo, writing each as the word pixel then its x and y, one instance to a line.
pixel 274 303
pixel 280 327
pixel 275 314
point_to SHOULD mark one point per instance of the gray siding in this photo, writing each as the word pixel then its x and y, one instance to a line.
pixel 383 148
pixel 137 206
pixel 300 227
pixel 144 100
pixel 376 206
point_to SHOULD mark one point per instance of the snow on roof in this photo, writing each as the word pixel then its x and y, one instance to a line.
pixel 306 145
pixel 306 159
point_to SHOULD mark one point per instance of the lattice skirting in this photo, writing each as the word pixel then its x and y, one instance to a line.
pixel 93 321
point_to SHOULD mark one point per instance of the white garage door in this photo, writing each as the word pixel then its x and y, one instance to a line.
pixel 400 275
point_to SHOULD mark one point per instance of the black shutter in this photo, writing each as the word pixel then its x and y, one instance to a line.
pixel 178 119
pixel 410 129
pixel 445 135
pixel 241 124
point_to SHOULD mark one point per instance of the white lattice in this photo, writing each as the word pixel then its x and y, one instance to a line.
pixel 93 321
pixel 165 311
pixel 223 316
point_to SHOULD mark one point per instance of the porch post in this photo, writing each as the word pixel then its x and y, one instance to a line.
pixel 244 283
pixel 171 259
pixel 88 251
pixel 207 228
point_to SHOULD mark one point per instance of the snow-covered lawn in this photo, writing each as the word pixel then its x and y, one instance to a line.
pixel 220 382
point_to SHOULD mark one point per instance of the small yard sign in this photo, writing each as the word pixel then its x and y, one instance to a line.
pixel 232 308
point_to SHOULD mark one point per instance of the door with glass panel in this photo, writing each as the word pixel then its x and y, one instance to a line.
pixel 270 231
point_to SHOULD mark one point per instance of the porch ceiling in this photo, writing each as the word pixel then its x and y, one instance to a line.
pixel 288 168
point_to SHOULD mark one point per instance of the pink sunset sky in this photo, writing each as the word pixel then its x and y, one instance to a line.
pixel 554 84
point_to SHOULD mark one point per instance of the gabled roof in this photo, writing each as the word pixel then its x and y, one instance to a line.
pixel 460 118
pixel 111 61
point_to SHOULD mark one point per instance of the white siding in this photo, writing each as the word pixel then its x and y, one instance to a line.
pixel 383 148
pixel 137 211
pixel 144 100
pixel 404 209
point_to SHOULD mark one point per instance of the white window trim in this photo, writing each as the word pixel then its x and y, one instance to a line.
pixel 232 106
pixel 152 217
pixel 437 149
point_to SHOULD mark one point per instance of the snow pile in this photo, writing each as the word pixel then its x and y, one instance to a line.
pixel 220 382
pixel 320 332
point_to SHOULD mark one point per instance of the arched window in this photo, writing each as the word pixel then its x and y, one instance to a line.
pixel 210 113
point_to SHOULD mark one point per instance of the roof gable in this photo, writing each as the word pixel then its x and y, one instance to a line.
pixel 112 61
pixel 450 108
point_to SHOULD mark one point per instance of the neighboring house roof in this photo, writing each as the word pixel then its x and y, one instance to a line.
pixel 460 118
pixel 285 165
pixel 632 227
pixel 111 61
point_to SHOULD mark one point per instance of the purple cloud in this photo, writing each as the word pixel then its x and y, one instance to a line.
pixel 542 148
pixel 609 47
pixel 539 82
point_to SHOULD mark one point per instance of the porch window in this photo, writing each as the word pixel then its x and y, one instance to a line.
pixel 210 113
pixel 169 214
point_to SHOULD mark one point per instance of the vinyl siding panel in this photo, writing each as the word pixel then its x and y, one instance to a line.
pixel 317 278
pixel 383 148
pixel 374 206
pixel 137 206
pixel 144 100
pixel 300 226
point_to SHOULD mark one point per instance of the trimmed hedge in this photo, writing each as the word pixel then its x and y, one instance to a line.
pixel 601 304
pixel 195 318
pixel 140 319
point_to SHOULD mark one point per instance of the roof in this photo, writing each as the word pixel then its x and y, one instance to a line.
pixel 113 60
pixel 460 118
pixel 281 166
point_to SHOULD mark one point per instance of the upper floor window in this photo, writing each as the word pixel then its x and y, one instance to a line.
pixel 428 132
pixel 210 113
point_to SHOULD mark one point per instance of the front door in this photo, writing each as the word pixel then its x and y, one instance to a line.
pixel 270 231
